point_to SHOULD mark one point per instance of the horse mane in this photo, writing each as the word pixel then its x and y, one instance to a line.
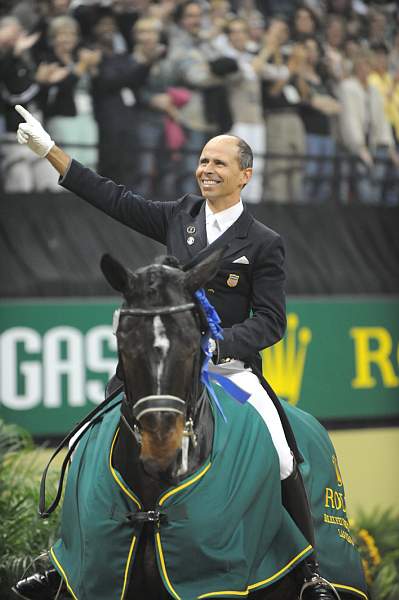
pixel 169 261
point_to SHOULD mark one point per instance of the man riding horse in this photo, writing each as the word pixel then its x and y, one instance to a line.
pixel 247 292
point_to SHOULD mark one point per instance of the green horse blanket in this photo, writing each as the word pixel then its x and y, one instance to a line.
pixel 226 532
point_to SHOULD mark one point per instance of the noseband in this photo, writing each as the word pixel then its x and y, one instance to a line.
pixel 158 402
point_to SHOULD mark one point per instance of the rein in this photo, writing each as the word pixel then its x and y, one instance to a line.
pixel 148 404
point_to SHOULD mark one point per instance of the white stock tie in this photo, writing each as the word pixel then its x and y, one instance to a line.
pixel 213 230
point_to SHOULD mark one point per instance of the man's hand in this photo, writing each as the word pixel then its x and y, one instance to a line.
pixel 33 134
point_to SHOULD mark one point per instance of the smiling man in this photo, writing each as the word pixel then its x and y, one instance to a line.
pixel 247 292
pixel 225 167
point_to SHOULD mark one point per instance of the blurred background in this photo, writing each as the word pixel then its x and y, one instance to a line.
pixel 133 89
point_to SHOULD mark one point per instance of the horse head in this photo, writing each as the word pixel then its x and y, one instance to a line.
pixel 158 330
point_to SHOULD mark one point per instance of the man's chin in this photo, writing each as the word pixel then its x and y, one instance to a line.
pixel 210 190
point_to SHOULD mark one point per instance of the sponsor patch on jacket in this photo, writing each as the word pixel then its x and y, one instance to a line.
pixel 232 280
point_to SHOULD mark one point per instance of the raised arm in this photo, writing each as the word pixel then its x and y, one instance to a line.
pixel 36 137
pixel 146 217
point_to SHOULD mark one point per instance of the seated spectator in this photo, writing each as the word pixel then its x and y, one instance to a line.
pixel 65 99
pixel 18 76
pixel 367 136
pixel 317 108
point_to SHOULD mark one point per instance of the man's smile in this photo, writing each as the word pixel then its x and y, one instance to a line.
pixel 209 182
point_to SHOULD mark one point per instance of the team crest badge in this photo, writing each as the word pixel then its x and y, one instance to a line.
pixel 232 280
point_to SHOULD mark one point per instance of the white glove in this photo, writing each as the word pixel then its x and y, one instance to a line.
pixel 33 134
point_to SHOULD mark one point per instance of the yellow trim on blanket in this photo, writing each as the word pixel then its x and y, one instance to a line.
pixel 63 574
pixel 115 476
pixel 351 589
pixel 255 585
pixel 126 577
pixel 184 485
pixel 163 567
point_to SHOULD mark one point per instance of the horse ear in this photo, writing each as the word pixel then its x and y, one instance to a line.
pixel 115 273
pixel 196 277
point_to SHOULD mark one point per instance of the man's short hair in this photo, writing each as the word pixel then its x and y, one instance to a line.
pixel 245 154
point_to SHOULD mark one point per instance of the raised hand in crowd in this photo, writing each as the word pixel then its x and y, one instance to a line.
pixel 164 103
pixel 275 36
pixel 25 42
pixel 162 11
pixel 88 61
pixel 297 62
pixel 51 73
pixel 14 38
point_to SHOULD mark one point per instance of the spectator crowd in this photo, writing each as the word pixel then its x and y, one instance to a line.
pixel 134 88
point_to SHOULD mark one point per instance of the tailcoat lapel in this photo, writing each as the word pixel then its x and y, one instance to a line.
pixel 234 238
pixel 194 230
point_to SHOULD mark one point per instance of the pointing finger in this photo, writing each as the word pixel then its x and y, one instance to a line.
pixel 25 114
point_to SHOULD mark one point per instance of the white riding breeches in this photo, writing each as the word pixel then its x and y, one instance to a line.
pixel 260 400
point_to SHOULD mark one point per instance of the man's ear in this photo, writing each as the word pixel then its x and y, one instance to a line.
pixel 196 277
pixel 116 274
pixel 246 176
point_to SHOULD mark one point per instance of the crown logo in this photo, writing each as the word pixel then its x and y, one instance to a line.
pixel 283 363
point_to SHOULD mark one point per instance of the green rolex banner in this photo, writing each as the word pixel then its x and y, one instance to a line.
pixel 339 360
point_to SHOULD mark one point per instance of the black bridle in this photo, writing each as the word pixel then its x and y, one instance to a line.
pixel 157 310
pixel 156 402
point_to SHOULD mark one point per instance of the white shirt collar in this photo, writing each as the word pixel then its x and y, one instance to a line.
pixel 225 218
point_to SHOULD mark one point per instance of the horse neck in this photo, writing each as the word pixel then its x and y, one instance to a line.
pixel 126 456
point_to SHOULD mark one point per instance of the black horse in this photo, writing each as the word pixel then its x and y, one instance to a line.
pixel 162 438
pixel 162 297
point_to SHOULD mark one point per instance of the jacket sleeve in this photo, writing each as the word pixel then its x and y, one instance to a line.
pixel 267 324
pixel 130 209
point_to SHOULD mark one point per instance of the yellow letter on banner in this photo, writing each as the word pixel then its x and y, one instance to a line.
pixel 380 356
